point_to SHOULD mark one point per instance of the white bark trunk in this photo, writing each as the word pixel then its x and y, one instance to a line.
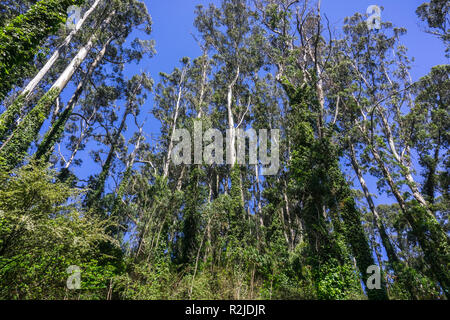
pixel 174 124
pixel 363 184
pixel 408 176
pixel 203 88
pixel 258 197
pixel 37 79
pixel 73 100
pixel 65 77
pixel 232 136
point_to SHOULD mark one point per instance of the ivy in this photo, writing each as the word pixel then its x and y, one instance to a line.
pixel 14 150
pixel 20 39
pixel 8 118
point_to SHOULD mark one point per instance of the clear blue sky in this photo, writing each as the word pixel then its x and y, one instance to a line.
pixel 173 26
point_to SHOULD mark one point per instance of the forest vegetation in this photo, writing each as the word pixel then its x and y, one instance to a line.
pixel 140 227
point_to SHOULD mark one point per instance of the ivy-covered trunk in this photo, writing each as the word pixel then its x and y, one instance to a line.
pixel 15 147
pixel 55 133
pixel 56 54
pixel 316 171
pixel 20 39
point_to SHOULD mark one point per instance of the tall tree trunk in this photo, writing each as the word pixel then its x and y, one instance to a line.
pixel 203 86
pixel 44 70
pixel 405 166
pixel 54 134
pixel 231 152
pixel 22 36
pixel 390 250
pixel 174 123
pixel 93 197
pixel 432 238
pixel 394 262
pixel 15 147
pixel 118 210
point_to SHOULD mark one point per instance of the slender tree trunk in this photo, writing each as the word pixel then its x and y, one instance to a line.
pixel 258 213
pixel 174 123
pixel 203 87
pixel 394 262
pixel 100 184
pixel 197 259
pixel 15 147
pixel 231 125
pixel 406 168
pixel 23 35
pixel 118 200
pixel 54 134
pixel 431 237
pixel 290 218
pixel 50 63
pixel 79 141
pixel 95 195
pixel 390 250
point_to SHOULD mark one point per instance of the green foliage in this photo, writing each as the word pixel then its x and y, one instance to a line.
pixel 194 195
pixel 436 14
pixel 53 136
pixel 8 118
pixel 237 213
pixel 15 148
pixel 143 228
pixel 336 282
pixel 20 39
pixel 42 232
pixel 146 282
pixel 434 242
pixel 316 173
pixel 412 284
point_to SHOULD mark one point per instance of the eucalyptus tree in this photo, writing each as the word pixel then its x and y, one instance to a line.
pixel 112 52
pixel 97 107
pixel 324 200
pixel 171 108
pixel 411 277
pixel 26 131
pixel 9 9
pixel 373 95
pixel 21 37
pixel 135 91
pixel 181 99
pixel 16 103
pixel 430 119
pixel 120 19
pixel 121 206
pixel 270 112
pixel 436 15
pixel 229 32
pixel 28 90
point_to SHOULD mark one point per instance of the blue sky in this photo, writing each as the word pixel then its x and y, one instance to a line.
pixel 173 29
pixel 173 25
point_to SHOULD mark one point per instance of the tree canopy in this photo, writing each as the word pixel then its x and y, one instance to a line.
pixel 329 112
